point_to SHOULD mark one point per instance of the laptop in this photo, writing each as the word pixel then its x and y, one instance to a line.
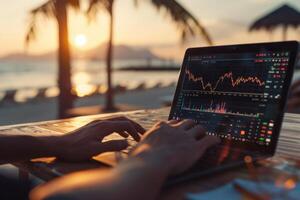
pixel 236 92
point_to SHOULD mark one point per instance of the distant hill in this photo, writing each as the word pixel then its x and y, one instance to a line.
pixel 25 56
pixel 121 52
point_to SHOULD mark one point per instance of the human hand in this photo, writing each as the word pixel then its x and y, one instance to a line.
pixel 167 149
pixel 86 142
pixel 174 145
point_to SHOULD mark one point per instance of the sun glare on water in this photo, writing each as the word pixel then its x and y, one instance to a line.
pixel 80 40
pixel 82 86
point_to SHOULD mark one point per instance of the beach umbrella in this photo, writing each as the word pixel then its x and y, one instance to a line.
pixel 284 16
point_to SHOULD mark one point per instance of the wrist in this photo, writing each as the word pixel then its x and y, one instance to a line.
pixel 144 165
pixel 52 145
pixel 153 159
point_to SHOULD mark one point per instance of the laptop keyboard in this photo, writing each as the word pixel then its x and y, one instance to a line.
pixel 214 156
pixel 209 157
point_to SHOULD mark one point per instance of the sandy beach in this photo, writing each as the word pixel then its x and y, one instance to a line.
pixel 45 109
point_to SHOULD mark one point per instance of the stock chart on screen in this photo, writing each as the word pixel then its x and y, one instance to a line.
pixel 235 95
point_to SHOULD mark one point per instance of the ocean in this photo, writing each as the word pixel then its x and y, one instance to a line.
pixel 22 75
pixel 86 74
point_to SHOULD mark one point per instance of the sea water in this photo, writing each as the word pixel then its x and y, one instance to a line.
pixel 33 74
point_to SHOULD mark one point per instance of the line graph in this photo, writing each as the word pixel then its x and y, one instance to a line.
pixel 233 82
pixel 232 94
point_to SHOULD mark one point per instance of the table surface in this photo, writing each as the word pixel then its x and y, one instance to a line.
pixel 288 151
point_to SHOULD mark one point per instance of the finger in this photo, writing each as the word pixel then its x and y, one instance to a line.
pixel 197 132
pixel 161 123
pixel 109 146
pixel 137 126
pixel 121 126
pixel 105 128
pixel 123 134
pixel 93 122
pixel 207 142
pixel 173 121
pixel 186 124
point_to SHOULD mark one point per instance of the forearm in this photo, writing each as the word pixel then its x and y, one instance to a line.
pixel 133 179
pixel 138 179
pixel 15 148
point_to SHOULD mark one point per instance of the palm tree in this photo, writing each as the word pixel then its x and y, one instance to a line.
pixel 187 24
pixel 57 10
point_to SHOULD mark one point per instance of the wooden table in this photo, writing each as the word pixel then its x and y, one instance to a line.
pixel 288 152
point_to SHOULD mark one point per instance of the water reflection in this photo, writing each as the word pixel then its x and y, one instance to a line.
pixel 82 90
pixel 52 92
pixel 82 84
pixel 43 74
pixel 81 78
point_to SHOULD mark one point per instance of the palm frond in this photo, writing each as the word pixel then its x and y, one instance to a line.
pixel 47 10
pixel 96 6
pixel 75 4
pixel 185 21
pixel 31 33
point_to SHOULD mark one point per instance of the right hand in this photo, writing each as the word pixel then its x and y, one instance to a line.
pixel 175 145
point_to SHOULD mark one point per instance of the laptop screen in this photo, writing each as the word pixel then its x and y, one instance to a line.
pixel 236 93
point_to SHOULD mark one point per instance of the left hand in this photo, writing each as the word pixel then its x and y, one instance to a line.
pixel 86 142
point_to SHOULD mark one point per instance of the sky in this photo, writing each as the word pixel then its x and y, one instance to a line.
pixel 226 21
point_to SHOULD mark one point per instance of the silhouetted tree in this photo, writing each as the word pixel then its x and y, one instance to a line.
pixel 187 24
pixel 57 10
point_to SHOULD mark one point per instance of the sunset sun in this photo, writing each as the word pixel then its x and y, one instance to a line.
pixel 80 40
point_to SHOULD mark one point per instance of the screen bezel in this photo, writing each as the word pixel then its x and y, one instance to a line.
pixel 290 46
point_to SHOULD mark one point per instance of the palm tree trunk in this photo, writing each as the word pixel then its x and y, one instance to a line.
pixel 110 93
pixel 65 99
